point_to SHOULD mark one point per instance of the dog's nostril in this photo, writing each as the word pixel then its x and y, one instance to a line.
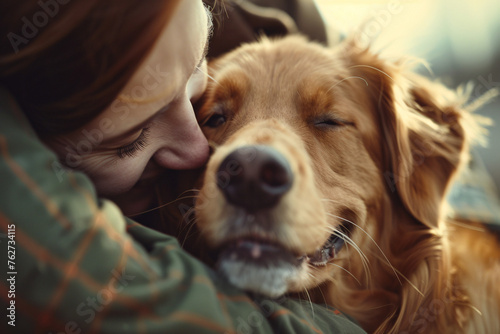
pixel 254 177
pixel 275 174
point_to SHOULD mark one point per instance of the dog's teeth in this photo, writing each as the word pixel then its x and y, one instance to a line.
pixel 256 251
pixel 319 264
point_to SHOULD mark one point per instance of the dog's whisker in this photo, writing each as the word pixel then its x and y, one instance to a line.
pixel 323 295
pixel 351 77
pixel 309 299
pixel 179 198
pixel 189 226
pixel 347 271
pixel 187 214
pixel 161 206
pixel 310 274
pixel 406 279
pixel 366 268
pixel 191 222
pixel 374 68
pixel 374 242
pixel 208 75
pixel 348 240
pixel 411 283
pixel 188 223
pixel 194 190
pixel 364 259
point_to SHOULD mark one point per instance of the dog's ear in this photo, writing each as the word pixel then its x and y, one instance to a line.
pixel 422 132
pixel 424 144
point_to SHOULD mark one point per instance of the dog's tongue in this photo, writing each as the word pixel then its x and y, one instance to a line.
pixel 251 248
pixel 256 251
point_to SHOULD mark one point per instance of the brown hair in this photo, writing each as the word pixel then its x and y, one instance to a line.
pixel 66 60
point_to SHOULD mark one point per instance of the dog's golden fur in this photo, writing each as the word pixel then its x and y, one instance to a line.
pixel 373 147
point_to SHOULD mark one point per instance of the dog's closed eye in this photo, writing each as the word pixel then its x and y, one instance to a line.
pixel 329 122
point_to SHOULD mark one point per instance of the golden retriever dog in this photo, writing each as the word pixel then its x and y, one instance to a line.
pixel 328 176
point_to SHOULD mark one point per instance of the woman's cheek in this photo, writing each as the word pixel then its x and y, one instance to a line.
pixel 112 175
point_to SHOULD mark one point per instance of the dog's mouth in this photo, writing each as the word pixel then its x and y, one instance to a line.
pixel 264 266
pixel 329 249
pixel 265 251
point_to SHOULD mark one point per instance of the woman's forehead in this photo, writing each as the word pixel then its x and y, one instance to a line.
pixel 164 74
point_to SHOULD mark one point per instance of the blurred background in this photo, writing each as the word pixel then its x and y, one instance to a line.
pixel 459 39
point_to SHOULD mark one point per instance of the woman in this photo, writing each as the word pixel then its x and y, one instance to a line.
pixel 136 122
pixel 108 87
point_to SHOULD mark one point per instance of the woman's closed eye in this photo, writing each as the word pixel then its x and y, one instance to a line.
pixel 131 149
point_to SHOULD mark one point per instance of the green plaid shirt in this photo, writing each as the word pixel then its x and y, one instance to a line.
pixel 72 263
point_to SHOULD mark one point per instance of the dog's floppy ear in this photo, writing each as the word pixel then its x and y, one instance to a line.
pixel 422 133
pixel 425 141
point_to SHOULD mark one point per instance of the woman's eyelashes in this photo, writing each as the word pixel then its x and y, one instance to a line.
pixel 131 149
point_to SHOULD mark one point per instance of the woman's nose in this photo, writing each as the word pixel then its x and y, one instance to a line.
pixel 185 145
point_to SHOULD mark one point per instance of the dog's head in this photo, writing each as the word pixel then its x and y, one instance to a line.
pixel 330 166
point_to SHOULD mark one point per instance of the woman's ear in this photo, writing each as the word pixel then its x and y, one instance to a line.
pixel 421 124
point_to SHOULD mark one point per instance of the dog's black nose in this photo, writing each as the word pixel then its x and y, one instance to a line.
pixel 254 177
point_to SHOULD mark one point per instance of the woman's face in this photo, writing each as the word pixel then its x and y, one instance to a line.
pixel 151 126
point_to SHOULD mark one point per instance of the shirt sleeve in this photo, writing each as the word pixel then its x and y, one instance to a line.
pixel 72 263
